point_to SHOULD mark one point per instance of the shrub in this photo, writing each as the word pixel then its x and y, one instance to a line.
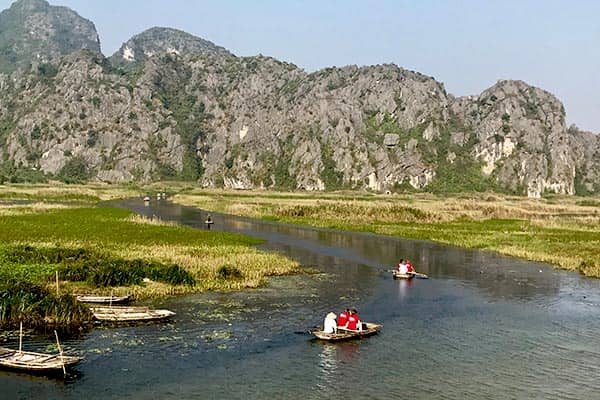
pixel 229 272
pixel 75 170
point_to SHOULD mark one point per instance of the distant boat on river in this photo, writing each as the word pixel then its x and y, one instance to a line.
pixel 347 334
pixel 409 275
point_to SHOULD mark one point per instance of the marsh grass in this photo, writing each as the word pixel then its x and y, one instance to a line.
pixel 31 302
pixel 560 230
pixel 105 250
pixel 68 193
pixel 33 208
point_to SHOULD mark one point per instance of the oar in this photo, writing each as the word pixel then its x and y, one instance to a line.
pixel 309 330
pixel 415 274
pixel 21 337
pixel 62 360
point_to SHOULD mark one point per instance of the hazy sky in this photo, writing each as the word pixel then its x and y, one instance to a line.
pixel 468 45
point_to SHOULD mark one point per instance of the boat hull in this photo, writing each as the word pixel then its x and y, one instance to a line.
pixel 398 275
pixel 92 299
pixel 347 334
pixel 129 314
pixel 35 362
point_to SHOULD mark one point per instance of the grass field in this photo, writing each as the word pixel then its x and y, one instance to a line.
pixel 560 230
pixel 106 250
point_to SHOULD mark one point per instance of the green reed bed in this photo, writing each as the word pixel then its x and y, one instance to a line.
pixel 25 297
pixel 105 227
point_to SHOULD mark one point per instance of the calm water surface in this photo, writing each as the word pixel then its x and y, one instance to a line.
pixel 484 327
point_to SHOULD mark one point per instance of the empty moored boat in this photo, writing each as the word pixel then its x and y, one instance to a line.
pixel 35 362
pixel 129 314
pixel 346 334
pixel 96 299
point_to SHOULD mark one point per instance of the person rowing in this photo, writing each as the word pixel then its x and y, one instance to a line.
pixel 402 267
pixel 329 325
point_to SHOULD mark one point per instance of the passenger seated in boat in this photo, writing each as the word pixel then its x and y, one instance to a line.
pixel 330 326
pixel 354 323
pixel 343 318
pixel 409 267
pixel 402 267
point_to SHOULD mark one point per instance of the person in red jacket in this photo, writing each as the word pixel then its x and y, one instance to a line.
pixel 354 323
pixel 343 318
pixel 409 267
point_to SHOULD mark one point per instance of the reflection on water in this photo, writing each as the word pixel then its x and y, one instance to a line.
pixel 333 359
pixel 482 326
pixel 403 289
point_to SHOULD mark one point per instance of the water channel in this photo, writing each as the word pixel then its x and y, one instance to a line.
pixel 483 327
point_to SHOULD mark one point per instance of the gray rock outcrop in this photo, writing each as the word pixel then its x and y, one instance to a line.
pixel 160 41
pixel 33 31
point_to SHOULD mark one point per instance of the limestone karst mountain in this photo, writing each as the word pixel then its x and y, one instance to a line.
pixel 159 41
pixel 33 31
pixel 169 105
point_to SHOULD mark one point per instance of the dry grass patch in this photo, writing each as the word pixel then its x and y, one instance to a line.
pixel 35 208
pixel 142 219
pixel 204 262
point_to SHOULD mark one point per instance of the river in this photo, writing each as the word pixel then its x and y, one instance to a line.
pixel 483 326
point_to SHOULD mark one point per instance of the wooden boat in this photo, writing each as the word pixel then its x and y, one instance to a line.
pixel 409 275
pixel 129 314
pixel 346 334
pixel 398 275
pixel 96 299
pixel 35 362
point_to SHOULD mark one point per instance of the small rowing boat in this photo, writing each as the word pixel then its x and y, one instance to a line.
pixel 346 334
pixel 95 299
pixel 129 314
pixel 36 362
pixel 398 275
pixel 409 275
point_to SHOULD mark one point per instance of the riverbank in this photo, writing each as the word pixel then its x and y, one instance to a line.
pixel 559 230
pixel 106 250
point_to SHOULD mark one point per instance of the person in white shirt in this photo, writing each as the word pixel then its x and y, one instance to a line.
pixel 402 267
pixel 330 325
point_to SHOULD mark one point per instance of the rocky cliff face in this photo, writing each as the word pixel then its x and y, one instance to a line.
pixel 160 41
pixel 521 138
pixel 188 109
pixel 32 31
pixel 86 113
